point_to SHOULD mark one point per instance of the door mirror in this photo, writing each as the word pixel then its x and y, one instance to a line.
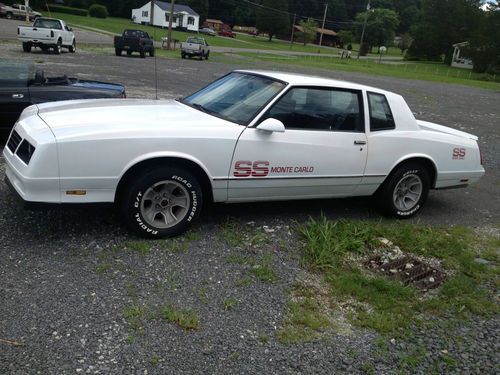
pixel 271 125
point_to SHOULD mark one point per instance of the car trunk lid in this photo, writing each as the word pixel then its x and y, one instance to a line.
pixel 430 126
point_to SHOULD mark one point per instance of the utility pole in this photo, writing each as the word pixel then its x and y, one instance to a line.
pixel 293 29
pixel 152 14
pixel 364 27
pixel 323 25
pixel 26 5
pixel 170 18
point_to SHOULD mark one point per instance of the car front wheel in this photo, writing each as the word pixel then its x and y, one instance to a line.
pixel 58 47
pixel 72 48
pixel 162 202
pixel 26 47
pixel 405 191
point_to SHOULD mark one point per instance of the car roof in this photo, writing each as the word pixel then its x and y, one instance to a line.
pixel 308 80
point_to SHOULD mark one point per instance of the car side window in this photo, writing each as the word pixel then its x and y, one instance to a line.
pixel 380 113
pixel 317 108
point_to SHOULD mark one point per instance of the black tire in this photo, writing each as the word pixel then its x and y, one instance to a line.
pixel 58 47
pixel 206 56
pixel 72 47
pixel 405 191
pixel 202 56
pixel 8 15
pixel 129 53
pixel 180 184
pixel 118 52
pixel 143 54
pixel 183 55
pixel 152 53
pixel 26 47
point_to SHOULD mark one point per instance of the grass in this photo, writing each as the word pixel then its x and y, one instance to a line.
pixel 304 321
pixel 142 247
pixel 229 303
pixel 133 315
pixel 332 247
pixel 184 318
pixel 434 72
pixel 262 268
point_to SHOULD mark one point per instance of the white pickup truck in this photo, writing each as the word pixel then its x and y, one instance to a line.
pixel 195 46
pixel 47 33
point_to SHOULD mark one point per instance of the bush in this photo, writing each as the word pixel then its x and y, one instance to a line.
pixel 68 10
pixel 98 11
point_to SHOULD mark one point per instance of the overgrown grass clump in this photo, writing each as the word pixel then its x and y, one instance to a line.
pixel 336 248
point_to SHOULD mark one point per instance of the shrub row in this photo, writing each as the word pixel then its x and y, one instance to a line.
pixel 68 10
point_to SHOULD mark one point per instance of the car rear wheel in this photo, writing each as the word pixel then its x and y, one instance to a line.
pixel 162 202
pixel 206 56
pixel 26 47
pixel 118 52
pixel 183 55
pixel 152 53
pixel 72 47
pixel 405 191
pixel 9 15
pixel 58 47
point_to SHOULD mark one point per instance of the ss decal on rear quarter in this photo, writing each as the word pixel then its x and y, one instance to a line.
pixel 458 153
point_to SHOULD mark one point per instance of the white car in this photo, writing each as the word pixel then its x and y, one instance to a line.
pixel 248 136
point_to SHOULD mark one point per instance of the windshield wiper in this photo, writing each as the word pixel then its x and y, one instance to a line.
pixel 202 108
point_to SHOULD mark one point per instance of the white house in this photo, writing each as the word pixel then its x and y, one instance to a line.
pixel 183 16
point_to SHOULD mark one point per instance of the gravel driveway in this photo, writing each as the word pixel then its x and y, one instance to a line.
pixel 80 295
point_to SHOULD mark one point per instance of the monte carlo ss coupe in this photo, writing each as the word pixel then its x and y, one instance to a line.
pixel 248 136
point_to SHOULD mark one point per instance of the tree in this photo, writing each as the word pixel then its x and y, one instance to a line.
pixel 485 43
pixel 272 17
pixel 442 24
pixel 309 30
pixel 405 42
pixel 380 29
pixel 199 6
pixel 345 37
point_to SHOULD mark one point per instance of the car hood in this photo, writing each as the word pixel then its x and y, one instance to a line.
pixel 125 118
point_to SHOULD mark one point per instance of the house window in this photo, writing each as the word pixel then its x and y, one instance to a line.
pixel 145 13
pixel 190 21
pixel 167 18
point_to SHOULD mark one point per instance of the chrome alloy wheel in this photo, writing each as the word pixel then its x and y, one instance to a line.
pixel 407 192
pixel 165 204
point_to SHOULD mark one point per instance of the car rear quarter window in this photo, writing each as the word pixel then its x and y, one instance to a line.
pixel 318 108
pixel 380 113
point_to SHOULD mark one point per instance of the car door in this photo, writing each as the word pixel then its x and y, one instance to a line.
pixel 321 153
pixel 14 97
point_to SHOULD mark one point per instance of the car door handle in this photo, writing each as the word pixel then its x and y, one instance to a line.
pixel 360 142
pixel 17 96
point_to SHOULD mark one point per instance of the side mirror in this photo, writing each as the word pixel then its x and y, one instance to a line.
pixel 271 125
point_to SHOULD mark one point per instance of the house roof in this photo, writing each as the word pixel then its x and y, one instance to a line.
pixel 177 8
pixel 319 30
pixel 209 20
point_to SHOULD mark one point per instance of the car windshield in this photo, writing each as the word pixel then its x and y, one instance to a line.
pixel 45 23
pixel 237 97
pixel 195 40
pixel 16 74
